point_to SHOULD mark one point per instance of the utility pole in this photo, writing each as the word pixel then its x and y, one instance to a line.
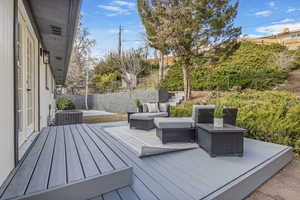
pixel 120 40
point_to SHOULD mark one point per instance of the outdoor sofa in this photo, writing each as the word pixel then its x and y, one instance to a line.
pixel 145 120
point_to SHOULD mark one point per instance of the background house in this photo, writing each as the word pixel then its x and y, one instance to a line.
pixel 290 39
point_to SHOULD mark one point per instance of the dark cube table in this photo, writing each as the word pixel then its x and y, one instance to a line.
pixel 226 141
pixel 67 117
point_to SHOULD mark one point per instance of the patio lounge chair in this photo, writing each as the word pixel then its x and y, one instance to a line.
pixel 205 114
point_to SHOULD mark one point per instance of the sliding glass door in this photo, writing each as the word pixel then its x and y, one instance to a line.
pixel 25 55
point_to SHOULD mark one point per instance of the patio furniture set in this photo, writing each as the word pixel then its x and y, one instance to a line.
pixel 226 141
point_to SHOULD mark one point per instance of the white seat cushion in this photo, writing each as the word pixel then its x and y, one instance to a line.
pixel 173 122
pixel 148 116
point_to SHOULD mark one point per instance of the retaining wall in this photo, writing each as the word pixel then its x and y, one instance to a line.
pixel 119 102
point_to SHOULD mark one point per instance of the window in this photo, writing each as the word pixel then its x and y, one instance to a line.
pixel 296 35
pixel 53 85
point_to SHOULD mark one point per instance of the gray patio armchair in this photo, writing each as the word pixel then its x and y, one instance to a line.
pixel 205 114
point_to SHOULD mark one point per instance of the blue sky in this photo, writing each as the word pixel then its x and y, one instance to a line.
pixel 256 17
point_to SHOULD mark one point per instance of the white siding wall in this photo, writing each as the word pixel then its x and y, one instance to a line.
pixel 6 88
pixel 46 95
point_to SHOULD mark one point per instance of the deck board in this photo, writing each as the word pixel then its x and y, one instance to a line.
pixel 74 167
pixel 58 175
pixel 198 176
pixel 114 158
pixel 83 162
pixel 38 182
pixel 20 181
pixel 112 196
pixel 66 163
pixel 87 161
pixel 127 193
pixel 150 178
pixel 101 161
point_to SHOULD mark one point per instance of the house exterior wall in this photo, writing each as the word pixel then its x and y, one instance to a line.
pixel 289 39
pixel 46 94
pixel 6 88
pixel 42 97
pixel 32 52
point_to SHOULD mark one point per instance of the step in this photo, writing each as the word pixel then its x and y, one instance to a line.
pixel 66 162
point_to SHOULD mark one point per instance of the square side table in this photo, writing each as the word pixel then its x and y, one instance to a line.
pixel 226 141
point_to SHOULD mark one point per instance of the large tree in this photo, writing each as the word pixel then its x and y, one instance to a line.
pixel 82 61
pixel 151 22
pixel 81 58
pixel 129 65
pixel 194 28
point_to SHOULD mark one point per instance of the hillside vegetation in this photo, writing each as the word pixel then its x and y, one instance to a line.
pixel 271 116
pixel 250 66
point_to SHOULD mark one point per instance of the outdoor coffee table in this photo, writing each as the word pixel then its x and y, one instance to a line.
pixel 226 141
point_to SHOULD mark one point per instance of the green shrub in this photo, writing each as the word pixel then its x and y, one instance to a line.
pixel 219 111
pixel 250 66
pixel 65 103
pixel 106 82
pixel 270 116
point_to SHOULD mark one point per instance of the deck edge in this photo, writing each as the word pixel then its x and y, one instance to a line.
pixel 249 182
pixel 86 188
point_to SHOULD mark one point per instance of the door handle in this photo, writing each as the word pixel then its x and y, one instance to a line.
pixel 28 90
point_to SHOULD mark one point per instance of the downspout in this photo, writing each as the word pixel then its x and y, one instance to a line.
pixel 16 117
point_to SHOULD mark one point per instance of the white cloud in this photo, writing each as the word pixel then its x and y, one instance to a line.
pixel 111 8
pixel 290 10
pixel 124 3
pixel 278 28
pixel 286 20
pixel 272 4
pixel 114 10
pixel 264 13
pixel 118 7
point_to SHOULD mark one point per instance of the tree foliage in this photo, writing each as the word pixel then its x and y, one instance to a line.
pixel 127 67
pixel 250 66
pixel 81 58
pixel 197 28
pixel 150 19
pixel 107 82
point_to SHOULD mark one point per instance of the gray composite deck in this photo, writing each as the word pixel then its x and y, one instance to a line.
pixel 185 175
pixel 194 175
pixel 67 162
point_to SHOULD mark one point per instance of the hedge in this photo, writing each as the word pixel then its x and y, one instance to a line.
pixel 271 116
pixel 64 103
pixel 250 66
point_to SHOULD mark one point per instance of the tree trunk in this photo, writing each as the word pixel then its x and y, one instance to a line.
pixel 161 67
pixel 86 90
pixel 186 82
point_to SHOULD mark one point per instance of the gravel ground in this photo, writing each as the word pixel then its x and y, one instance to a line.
pixel 283 186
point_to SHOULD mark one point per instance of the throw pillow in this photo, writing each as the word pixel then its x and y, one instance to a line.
pixel 152 107
pixel 145 107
